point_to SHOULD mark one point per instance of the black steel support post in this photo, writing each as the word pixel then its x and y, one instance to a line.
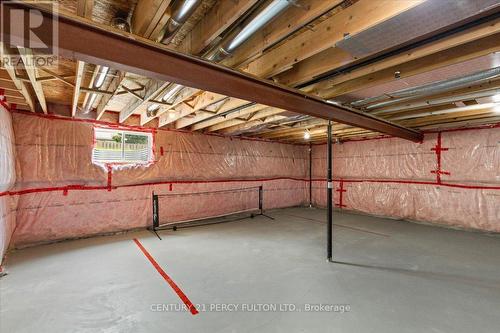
pixel 156 215
pixel 329 196
pixel 261 203
pixel 260 200
pixel 310 175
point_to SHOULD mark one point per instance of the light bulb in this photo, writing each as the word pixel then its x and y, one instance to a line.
pixel 307 135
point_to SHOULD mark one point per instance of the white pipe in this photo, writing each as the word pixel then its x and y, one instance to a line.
pixel 494 106
pixel 440 101
pixel 181 11
pixel 101 77
pixel 239 36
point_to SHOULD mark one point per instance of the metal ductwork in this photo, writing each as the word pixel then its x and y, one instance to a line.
pixel 493 106
pixel 181 11
pixel 439 101
pixel 236 37
pixel 120 21
pixel 428 89
pixel 253 24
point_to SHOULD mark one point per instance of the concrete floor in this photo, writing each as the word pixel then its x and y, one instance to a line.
pixel 401 277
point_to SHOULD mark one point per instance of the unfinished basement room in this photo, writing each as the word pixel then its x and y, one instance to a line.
pixel 250 166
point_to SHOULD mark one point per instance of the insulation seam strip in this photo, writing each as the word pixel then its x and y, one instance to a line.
pixel 388 181
pixel 438 149
pixel 341 191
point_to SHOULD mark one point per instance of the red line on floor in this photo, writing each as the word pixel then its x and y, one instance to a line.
pixel 167 278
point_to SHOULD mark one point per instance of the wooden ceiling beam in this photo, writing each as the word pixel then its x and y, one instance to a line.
pixel 78 82
pixel 27 58
pixel 128 53
pixel 11 93
pixel 363 78
pixel 114 87
pixel 351 20
pixel 182 110
pixel 152 89
pixel 234 115
pixel 149 17
pixel 221 16
pixel 334 58
pixel 84 8
pixel 289 22
pixel 292 20
pixel 464 123
pixel 299 16
pixel 230 104
pixel 425 120
pixel 429 101
pixel 301 125
pixel 17 84
pixel 185 94
pixel 260 118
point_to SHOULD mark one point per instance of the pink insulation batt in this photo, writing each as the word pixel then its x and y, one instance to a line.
pixel 59 193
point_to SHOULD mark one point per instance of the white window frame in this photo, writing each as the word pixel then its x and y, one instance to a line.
pixel 150 149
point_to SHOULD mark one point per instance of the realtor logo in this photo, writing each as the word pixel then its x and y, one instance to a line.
pixel 28 38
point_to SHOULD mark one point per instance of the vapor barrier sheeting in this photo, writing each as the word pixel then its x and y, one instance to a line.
pixel 7 180
pixel 63 194
pixel 451 178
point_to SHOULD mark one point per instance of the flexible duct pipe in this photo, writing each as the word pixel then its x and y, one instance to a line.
pixel 440 101
pixel 255 23
pixel 493 106
pixel 235 39
pixel 429 89
pixel 120 21
pixel 181 11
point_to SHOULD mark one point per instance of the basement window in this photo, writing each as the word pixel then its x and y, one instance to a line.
pixel 122 147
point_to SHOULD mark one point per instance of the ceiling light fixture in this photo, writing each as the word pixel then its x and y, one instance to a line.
pixel 307 135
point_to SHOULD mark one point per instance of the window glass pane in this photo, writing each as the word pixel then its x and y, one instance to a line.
pixel 136 147
pixel 121 146
pixel 108 146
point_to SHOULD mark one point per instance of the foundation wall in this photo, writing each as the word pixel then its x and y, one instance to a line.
pixel 7 180
pixel 62 194
pixel 452 178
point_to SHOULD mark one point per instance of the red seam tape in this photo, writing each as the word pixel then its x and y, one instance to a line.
pixel 387 181
pixel 341 192
pixel 167 278
pixel 110 177
pixel 438 149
